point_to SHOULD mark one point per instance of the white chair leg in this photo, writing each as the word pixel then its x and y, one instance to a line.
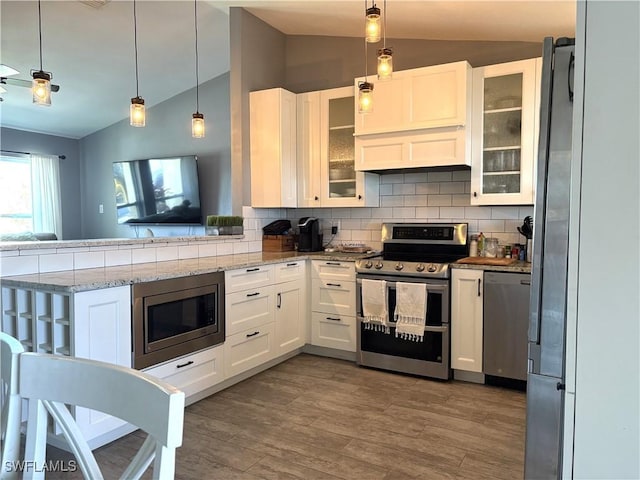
pixel 141 461
pixel 165 462
pixel 36 446
pixel 11 444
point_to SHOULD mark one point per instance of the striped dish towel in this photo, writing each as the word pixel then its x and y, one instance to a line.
pixel 411 310
pixel 374 305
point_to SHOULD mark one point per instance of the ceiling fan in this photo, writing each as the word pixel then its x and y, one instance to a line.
pixel 6 71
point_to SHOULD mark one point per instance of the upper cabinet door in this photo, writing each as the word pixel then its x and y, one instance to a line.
pixel 420 98
pixel 308 148
pixel 505 133
pixel 273 148
pixel 341 185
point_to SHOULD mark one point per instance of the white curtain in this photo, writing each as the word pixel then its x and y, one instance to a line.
pixel 45 188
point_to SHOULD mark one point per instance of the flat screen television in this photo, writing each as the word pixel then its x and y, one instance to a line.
pixel 158 191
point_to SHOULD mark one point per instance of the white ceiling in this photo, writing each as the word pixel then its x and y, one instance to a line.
pixel 90 50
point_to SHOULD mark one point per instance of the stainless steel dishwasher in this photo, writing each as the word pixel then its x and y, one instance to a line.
pixel 506 322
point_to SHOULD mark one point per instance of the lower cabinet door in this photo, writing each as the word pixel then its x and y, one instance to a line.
pixel 333 331
pixel 248 349
pixel 192 373
pixel 290 317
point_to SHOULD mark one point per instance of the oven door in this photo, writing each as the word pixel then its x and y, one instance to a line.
pixel 427 358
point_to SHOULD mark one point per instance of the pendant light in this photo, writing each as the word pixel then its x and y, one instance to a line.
pixel 197 120
pixel 136 110
pixel 385 55
pixel 41 84
pixel 365 89
pixel 372 23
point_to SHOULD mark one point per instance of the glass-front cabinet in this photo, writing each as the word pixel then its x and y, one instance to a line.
pixel 341 185
pixel 505 133
pixel 326 151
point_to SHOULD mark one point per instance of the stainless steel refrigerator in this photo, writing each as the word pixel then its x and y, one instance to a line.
pixel 548 301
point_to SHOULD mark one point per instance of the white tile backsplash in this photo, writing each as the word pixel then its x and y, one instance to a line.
pixel 164 254
pixel 113 258
pixel 20 265
pixel 83 260
pixel 56 262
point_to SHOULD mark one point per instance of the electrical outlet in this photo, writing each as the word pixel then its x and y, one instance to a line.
pixel 101 208
pixel 334 229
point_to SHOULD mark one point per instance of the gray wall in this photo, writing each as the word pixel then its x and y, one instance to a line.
pixel 263 57
pixel 30 142
pixel 317 63
pixel 167 132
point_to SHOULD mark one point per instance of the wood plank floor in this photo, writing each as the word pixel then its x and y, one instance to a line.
pixel 318 418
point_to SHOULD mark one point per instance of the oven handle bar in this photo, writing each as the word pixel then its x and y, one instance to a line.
pixel 427 328
pixel 430 286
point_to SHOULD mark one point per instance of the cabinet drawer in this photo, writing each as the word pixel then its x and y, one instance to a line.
pixel 332 296
pixel 248 309
pixel 248 349
pixel 333 270
pixel 333 331
pixel 250 277
pixel 192 373
pixel 286 272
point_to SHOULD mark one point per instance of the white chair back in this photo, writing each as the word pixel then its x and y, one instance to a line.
pixel 10 350
pixel 51 381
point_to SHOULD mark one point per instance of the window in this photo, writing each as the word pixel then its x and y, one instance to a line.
pixel 30 194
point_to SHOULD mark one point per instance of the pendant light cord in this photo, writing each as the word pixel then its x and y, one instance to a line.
pixel 40 32
pixel 135 43
pixel 384 25
pixel 365 48
pixel 195 11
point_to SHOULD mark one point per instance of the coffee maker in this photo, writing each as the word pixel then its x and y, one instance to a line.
pixel 309 240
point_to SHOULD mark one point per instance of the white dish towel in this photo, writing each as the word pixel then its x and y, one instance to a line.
pixel 374 305
pixel 411 310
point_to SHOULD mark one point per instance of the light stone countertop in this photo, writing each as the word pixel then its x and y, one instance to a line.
pixel 107 242
pixel 516 267
pixel 96 278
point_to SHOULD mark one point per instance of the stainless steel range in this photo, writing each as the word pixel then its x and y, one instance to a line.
pixel 412 253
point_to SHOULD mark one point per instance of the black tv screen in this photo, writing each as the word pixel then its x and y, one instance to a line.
pixel 158 191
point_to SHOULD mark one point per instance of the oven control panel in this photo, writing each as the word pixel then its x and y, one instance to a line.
pixel 380 266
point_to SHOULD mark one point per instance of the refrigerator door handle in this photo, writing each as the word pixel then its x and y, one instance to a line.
pixel 541 191
pixel 572 60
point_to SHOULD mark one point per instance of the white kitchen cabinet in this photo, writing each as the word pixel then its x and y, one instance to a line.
pixel 290 317
pixel 326 173
pixel 419 119
pixel 505 133
pixel 250 277
pixel 273 148
pixel 249 309
pixel 333 305
pixel 265 314
pixel 291 312
pixel 466 319
pixel 93 324
pixel 420 98
pixel 192 373
pixel 249 348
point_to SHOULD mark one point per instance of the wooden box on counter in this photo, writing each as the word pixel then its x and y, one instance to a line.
pixel 278 243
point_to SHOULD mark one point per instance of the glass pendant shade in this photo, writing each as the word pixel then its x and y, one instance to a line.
pixel 365 97
pixel 385 64
pixel 41 88
pixel 137 112
pixel 372 25
pixel 197 125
